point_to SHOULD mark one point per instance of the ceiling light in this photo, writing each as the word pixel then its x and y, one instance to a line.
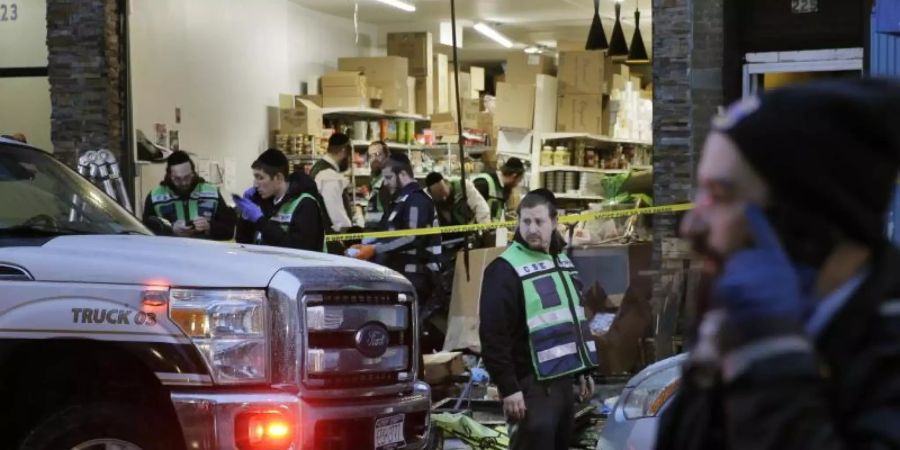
pixel 638 52
pixel 491 33
pixel 596 36
pixel 618 48
pixel 399 4
pixel 531 50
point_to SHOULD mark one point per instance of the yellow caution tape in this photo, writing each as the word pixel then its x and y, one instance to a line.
pixel 572 218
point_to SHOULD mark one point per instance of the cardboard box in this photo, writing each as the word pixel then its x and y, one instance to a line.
pixel 334 101
pixel 415 47
pixel 581 113
pixel 611 68
pixel 515 105
pixel 306 118
pixel 441 367
pixel 345 91
pixel 465 298
pixel 444 124
pixel 618 82
pixel 317 99
pixel 636 82
pixel 425 96
pixel 521 68
pixel 486 121
pixel 477 75
pixel 471 108
pixel 394 96
pixel 441 84
pixel 342 79
pixel 410 95
pixel 582 72
pixel 378 70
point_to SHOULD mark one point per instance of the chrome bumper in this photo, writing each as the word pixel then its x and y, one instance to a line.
pixel 207 418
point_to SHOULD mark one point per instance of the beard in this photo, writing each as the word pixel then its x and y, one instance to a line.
pixel 344 165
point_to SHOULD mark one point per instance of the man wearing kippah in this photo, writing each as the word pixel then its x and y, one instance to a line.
pixel 334 185
pixel 800 346
pixel 452 209
pixel 192 206
pixel 416 257
pixel 496 187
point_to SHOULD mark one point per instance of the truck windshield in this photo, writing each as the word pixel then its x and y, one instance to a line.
pixel 40 195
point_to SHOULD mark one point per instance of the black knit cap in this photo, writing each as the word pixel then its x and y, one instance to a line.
pixel 433 178
pixel 513 165
pixel 830 149
pixel 338 140
pixel 273 158
pixel 177 157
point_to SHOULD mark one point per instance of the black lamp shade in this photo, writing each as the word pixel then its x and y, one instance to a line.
pixel 597 35
pixel 638 53
pixel 618 47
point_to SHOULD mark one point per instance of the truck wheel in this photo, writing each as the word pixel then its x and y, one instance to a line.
pixel 99 426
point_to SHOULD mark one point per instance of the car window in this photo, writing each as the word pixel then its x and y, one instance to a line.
pixel 37 191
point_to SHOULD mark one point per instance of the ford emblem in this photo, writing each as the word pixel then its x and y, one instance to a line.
pixel 372 340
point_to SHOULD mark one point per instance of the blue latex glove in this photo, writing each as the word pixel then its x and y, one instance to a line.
pixel 760 282
pixel 250 192
pixel 249 210
pixel 480 375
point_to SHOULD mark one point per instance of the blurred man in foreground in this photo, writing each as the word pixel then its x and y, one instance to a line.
pixel 801 346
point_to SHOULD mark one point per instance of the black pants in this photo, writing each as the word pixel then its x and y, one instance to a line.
pixel 549 417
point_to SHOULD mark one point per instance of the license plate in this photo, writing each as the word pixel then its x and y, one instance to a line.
pixel 389 433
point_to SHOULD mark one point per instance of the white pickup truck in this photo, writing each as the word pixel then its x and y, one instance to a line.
pixel 113 338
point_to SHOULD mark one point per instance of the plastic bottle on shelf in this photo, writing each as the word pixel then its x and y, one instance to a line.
pixel 561 156
pixel 547 156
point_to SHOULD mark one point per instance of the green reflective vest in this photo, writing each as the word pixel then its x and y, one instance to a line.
pixel 375 208
pixel 285 214
pixel 460 211
pixel 495 198
pixel 202 202
pixel 558 332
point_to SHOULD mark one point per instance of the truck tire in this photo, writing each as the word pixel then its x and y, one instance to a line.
pixel 99 426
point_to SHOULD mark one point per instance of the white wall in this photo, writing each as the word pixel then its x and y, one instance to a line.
pixel 23 43
pixel 223 62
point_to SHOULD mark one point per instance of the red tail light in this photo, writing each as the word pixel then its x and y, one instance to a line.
pixel 269 430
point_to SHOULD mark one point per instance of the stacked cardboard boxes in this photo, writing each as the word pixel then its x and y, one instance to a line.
pixel 344 89
pixel 417 49
pixel 388 73
pixel 582 92
pixel 441 82
pixel 295 115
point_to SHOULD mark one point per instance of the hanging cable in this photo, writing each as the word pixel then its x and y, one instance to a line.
pixel 459 129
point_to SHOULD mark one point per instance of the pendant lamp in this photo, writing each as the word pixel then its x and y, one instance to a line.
pixel 638 53
pixel 618 48
pixel 597 36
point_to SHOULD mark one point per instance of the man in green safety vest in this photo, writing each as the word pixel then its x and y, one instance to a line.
pixel 281 210
pixel 379 199
pixel 193 207
pixel 453 210
pixel 496 187
pixel 535 339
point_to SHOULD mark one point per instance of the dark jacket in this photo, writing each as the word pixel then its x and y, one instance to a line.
pixel 503 329
pixel 221 224
pixel 844 394
pixel 308 223
pixel 416 257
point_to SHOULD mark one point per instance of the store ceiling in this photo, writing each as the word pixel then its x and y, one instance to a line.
pixel 563 23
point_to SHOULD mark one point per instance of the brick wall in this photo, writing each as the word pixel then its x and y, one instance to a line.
pixel 85 72
pixel 687 78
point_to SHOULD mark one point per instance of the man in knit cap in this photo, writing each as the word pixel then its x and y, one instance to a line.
pixel 800 345
pixel 281 209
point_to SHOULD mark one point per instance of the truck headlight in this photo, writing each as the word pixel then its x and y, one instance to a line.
pixel 648 397
pixel 229 329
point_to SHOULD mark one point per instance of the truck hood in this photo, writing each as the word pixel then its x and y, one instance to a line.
pixel 161 260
